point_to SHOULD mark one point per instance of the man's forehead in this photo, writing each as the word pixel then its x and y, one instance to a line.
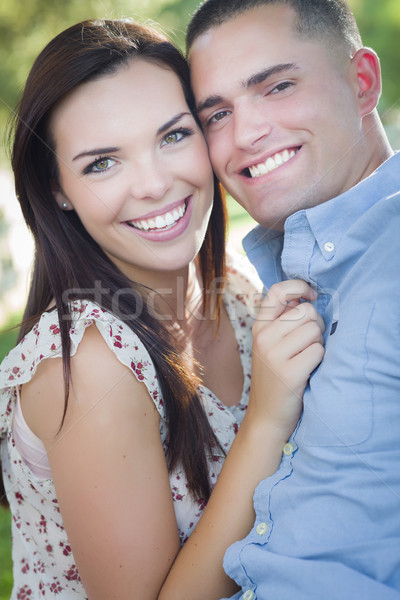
pixel 244 30
pixel 242 47
pixel 201 42
pixel 268 16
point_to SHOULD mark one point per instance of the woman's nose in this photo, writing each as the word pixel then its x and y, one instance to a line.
pixel 151 179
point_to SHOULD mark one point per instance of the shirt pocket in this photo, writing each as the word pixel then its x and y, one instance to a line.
pixel 338 404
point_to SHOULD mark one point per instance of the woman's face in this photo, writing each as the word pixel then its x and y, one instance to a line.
pixel 134 166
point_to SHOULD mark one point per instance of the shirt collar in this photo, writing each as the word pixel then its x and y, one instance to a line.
pixel 328 221
pixel 264 248
pixel 331 220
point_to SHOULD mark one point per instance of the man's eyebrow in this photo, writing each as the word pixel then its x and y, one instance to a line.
pixel 255 79
pixel 266 73
pixel 172 122
pixel 209 102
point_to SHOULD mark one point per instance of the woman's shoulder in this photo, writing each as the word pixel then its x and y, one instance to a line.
pixel 43 341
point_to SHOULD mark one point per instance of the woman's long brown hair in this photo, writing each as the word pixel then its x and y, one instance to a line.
pixel 68 259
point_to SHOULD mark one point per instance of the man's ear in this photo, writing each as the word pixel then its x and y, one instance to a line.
pixel 60 197
pixel 368 72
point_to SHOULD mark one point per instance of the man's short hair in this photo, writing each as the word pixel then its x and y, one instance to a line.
pixel 321 19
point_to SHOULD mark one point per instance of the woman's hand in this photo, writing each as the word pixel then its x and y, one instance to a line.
pixel 287 347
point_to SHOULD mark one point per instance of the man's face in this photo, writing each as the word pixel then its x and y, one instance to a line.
pixel 280 113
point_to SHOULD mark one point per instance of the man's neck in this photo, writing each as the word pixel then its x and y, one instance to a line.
pixel 378 148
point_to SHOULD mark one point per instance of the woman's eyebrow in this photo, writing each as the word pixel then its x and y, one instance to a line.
pixel 172 122
pixel 95 151
pixel 162 129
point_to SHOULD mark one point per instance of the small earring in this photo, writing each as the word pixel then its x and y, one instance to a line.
pixel 64 205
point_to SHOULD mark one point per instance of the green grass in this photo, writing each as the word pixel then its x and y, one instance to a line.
pixel 7 341
pixel 5 555
pixel 8 336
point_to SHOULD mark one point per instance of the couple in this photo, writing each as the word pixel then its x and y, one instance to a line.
pixel 149 325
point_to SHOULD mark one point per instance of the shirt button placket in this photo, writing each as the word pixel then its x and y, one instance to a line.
pixel 262 528
pixel 288 449
pixel 248 595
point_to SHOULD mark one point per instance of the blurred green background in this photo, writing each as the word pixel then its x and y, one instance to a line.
pixel 27 25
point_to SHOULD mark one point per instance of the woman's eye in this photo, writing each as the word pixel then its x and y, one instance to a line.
pixel 100 166
pixel 173 137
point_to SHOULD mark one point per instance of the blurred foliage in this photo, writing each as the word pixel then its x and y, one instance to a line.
pixel 27 25
pixel 379 24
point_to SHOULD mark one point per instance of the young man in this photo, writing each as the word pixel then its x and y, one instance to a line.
pixel 287 97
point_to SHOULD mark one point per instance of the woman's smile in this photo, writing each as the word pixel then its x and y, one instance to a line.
pixel 158 220
pixel 167 226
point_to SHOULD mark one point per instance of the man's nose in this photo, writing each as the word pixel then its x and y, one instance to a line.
pixel 250 126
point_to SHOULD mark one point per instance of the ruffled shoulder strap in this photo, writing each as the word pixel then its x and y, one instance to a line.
pixel 44 341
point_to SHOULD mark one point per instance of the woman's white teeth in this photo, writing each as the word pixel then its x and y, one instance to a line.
pixel 272 162
pixel 169 219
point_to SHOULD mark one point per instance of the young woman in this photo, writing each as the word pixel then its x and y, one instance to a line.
pixel 132 372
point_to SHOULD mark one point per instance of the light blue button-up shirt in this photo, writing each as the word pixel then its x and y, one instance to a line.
pixel 328 521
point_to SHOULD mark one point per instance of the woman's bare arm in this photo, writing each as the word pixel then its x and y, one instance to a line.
pixel 109 471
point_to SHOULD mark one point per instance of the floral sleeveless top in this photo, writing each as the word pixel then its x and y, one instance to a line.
pixel 43 563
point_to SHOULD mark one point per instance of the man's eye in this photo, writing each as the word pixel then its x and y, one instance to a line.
pixel 281 87
pixel 218 116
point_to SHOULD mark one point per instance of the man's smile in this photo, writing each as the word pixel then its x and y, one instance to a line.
pixel 271 163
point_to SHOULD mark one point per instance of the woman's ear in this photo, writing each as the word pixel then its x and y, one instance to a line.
pixel 368 73
pixel 60 197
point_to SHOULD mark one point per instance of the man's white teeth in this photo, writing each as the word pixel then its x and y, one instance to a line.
pixel 272 162
pixel 162 221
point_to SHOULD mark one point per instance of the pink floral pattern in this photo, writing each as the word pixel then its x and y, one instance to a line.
pixel 44 566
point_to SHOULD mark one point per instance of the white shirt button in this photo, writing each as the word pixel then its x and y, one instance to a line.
pixel 288 449
pixel 262 528
pixel 329 246
pixel 249 595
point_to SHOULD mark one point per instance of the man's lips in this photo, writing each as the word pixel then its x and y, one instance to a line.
pixel 271 163
pixel 162 221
